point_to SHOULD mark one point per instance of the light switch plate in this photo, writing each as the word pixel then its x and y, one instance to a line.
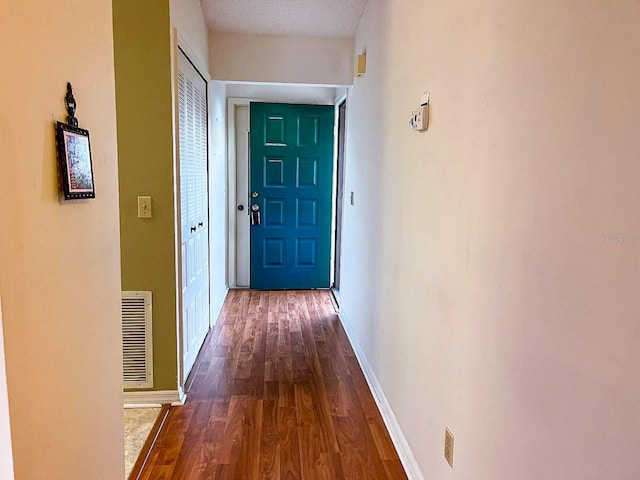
pixel 144 207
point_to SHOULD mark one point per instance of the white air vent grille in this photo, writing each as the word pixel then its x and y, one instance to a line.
pixel 137 345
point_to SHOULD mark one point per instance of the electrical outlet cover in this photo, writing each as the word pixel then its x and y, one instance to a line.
pixel 448 446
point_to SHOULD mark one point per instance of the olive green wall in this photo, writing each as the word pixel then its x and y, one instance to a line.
pixel 142 47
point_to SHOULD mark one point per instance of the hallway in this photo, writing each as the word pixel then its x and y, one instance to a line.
pixel 276 393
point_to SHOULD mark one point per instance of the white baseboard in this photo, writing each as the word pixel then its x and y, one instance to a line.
pixel 397 437
pixel 153 398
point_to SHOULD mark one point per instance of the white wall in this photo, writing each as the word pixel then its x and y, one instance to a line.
pixel 60 261
pixel 282 93
pixel 187 18
pixel 479 274
pixel 217 197
pixel 6 449
pixel 281 59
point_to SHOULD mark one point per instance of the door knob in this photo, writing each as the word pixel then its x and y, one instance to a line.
pixel 255 194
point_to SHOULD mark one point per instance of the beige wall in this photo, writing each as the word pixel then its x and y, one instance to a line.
pixel 59 261
pixel 480 277
pixel 281 59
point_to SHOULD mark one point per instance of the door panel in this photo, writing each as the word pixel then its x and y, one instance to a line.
pixel 291 173
pixel 192 125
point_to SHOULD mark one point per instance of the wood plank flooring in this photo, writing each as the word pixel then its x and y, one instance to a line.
pixel 277 393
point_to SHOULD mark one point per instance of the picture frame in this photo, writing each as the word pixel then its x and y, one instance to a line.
pixel 74 157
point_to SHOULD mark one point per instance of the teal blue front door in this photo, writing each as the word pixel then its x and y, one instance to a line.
pixel 291 184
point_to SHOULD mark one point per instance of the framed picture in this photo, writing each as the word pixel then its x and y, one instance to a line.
pixel 74 157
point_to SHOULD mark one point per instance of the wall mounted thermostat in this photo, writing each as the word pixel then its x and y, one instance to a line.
pixel 419 121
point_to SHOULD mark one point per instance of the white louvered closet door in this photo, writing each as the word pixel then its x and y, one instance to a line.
pixel 192 126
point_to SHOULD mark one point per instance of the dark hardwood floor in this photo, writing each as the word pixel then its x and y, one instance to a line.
pixel 277 393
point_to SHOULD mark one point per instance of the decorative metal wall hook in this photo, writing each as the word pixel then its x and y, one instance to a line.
pixel 74 154
pixel 70 103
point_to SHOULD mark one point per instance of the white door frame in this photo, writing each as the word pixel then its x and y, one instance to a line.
pixel 232 102
pixel 339 99
pixel 231 185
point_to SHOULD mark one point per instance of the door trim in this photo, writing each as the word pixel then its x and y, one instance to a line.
pixel 339 101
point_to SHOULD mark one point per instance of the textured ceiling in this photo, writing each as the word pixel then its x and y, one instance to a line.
pixel 312 18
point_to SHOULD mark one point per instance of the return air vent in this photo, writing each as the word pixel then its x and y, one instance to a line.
pixel 137 345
